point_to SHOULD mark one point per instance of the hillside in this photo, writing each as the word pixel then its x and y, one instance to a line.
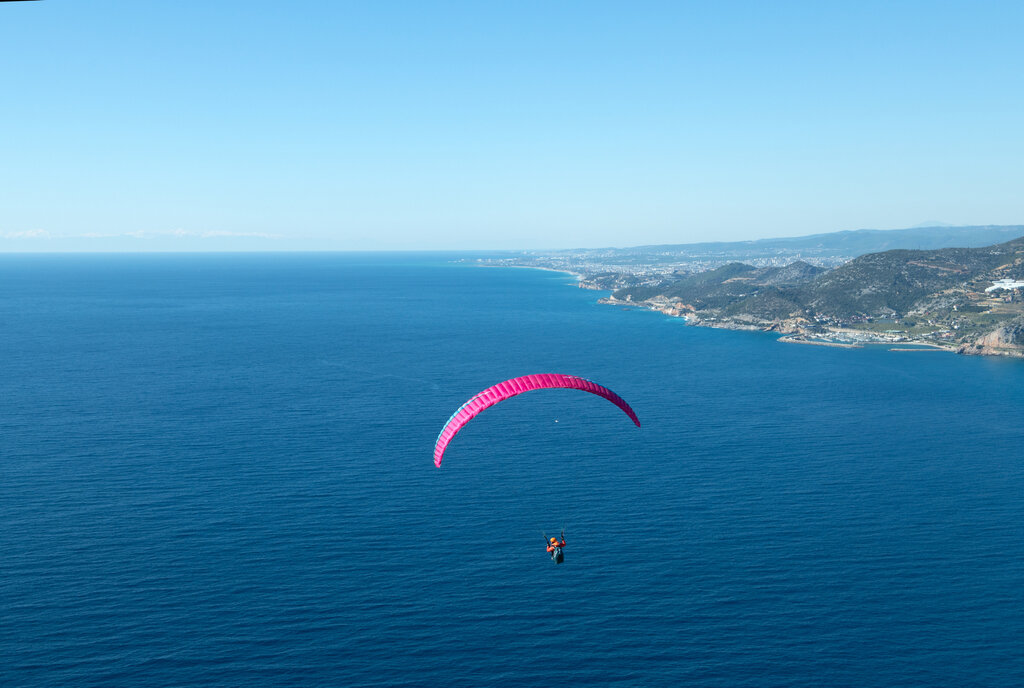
pixel 894 282
pixel 726 285
pixel 936 295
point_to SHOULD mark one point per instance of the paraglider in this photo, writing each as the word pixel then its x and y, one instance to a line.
pixel 555 548
pixel 510 388
pixel 517 385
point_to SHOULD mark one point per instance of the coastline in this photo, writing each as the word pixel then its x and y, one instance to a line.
pixel 797 339
pixel 929 348
pixel 795 330
pixel 799 331
pixel 578 277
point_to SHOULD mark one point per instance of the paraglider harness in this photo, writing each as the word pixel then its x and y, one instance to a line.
pixel 557 555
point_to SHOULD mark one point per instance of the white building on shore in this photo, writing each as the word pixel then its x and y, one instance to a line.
pixel 1005 284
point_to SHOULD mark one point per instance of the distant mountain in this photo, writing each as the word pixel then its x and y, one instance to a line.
pixel 849 242
pixel 614 268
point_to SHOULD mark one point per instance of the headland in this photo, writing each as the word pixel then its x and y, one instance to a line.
pixel 960 299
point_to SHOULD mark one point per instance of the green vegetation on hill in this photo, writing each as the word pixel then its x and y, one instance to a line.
pixel 894 282
pixel 726 287
pixel 922 293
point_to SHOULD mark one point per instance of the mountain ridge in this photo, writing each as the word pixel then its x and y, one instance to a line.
pixel 945 296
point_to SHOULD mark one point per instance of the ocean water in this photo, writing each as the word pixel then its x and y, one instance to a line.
pixel 215 470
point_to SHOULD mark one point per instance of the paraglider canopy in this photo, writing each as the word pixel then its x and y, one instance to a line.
pixel 517 385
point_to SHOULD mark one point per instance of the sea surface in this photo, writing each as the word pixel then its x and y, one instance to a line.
pixel 216 470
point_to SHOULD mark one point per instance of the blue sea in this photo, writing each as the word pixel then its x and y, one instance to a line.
pixel 216 470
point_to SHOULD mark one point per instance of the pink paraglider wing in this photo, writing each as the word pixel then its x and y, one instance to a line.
pixel 510 388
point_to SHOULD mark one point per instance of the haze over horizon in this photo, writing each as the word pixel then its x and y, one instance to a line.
pixel 260 125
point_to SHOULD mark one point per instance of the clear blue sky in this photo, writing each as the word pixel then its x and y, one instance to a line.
pixel 473 125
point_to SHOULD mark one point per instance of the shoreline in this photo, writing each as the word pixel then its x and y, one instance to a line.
pixel 574 275
pixel 797 339
pixel 925 347
pixel 791 330
pixel 793 334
